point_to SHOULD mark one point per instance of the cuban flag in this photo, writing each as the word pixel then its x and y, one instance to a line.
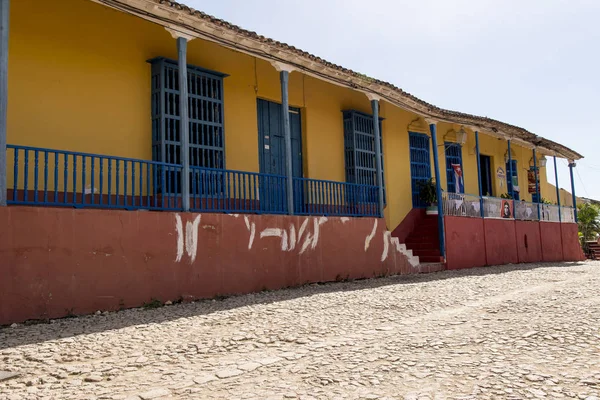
pixel 458 178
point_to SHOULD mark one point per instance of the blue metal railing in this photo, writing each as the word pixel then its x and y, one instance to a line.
pixel 64 178
pixel 320 197
pixel 222 190
pixel 48 177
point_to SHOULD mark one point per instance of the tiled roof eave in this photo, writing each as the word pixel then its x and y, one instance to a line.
pixel 195 23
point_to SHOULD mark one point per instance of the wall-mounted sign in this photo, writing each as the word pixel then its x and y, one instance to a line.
pixel 501 175
pixel 532 176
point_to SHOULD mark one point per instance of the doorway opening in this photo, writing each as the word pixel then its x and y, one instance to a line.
pixel 486 175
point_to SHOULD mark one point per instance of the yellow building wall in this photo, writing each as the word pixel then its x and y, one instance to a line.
pixel 89 91
pixel 549 193
pixel 496 149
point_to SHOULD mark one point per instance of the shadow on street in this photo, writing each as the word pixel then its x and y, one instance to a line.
pixel 25 334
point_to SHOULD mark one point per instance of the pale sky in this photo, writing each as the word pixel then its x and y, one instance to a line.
pixel 530 63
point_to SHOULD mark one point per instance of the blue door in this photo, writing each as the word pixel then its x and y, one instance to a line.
pixel 420 165
pixel 271 152
pixel 453 156
pixel 515 179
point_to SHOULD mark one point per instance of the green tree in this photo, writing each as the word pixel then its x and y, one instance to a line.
pixel 588 216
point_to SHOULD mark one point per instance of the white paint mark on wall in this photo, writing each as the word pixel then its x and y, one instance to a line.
pixel 179 229
pixel 302 229
pixel 234 215
pixel 252 233
pixel 386 245
pixel 400 248
pixel 344 219
pixel 292 237
pixel 284 241
pixel 271 232
pixel 189 240
pixel 317 223
pixel 252 229
pixel 306 243
pixel 370 236
pixel 276 232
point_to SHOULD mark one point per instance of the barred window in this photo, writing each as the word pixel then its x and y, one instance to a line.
pixel 453 156
pixel 205 102
pixel 359 149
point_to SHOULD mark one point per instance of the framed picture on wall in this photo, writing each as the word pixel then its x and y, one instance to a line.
pixel 507 209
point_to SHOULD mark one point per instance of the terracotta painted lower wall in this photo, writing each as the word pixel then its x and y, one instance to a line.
pixel 56 262
pixel 500 242
pixel 465 242
pixel 408 224
pixel 529 242
pixel 570 241
pixel 474 242
pixel 552 247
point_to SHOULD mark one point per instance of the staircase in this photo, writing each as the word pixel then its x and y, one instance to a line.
pixel 424 240
pixel 594 253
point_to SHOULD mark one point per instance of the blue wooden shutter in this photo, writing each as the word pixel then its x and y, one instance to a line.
pixel 453 156
pixel 509 181
pixel 206 130
pixel 420 165
pixel 359 149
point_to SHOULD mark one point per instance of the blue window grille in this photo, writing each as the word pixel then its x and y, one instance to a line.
pixel 420 165
pixel 453 156
pixel 206 122
pixel 515 178
pixel 359 149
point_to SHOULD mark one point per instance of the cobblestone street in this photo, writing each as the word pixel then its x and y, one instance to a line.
pixel 517 332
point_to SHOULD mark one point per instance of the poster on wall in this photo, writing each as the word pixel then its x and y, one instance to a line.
pixel 501 176
pixel 532 176
pixel 507 209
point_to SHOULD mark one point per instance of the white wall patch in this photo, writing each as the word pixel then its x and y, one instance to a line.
pixel 189 239
pixel 302 229
pixel 370 236
pixel 292 237
pixel 386 245
pixel 179 229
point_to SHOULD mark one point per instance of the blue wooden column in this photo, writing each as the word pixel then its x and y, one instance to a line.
pixel 4 22
pixel 284 76
pixel 479 173
pixel 184 122
pixel 287 134
pixel 509 177
pixel 571 166
pixel 557 190
pixel 537 186
pixel 433 130
pixel 379 169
